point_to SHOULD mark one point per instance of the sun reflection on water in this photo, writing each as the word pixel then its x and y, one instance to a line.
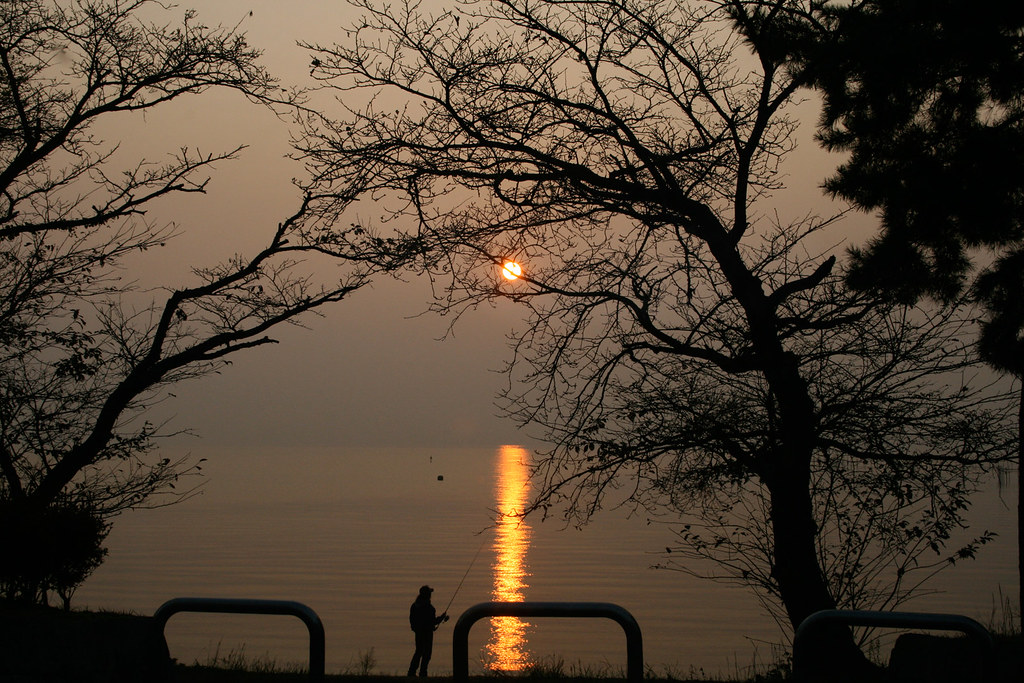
pixel 507 648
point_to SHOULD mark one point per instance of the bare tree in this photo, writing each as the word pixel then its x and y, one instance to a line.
pixel 84 354
pixel 686 351
pixel 901 436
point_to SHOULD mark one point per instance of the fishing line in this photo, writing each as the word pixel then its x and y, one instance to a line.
pixel 470 567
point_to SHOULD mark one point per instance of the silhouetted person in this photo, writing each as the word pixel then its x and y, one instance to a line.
pixel 424 621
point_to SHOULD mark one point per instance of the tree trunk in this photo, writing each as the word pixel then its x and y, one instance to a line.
pixel 1020 508
pixel 786 473
pixel 831 653
pixel 802 587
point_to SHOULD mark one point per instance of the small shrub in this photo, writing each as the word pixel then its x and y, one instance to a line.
pixel 46 549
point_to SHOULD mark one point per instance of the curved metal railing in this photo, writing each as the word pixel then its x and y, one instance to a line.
pixel 310 618
pixel 634 639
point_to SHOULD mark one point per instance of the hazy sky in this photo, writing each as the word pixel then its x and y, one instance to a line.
pixel 369 373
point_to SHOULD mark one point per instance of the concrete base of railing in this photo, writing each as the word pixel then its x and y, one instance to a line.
pixel 903 620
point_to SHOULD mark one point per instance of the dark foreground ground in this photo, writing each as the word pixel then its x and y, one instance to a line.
pixel 40 645
pixel 195 674
pixel 51 646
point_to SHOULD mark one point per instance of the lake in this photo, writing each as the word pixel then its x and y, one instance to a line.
pixel 354 533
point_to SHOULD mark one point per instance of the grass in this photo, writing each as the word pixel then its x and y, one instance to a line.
pixel 238 667
pixel 200 674
pixel 237 660
pixel 1005 617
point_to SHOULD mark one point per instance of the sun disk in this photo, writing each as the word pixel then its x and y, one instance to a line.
pixel 511 270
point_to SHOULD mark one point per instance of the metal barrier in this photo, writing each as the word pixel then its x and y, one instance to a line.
pixel 634 639
pixel 918 620
pixel 247 606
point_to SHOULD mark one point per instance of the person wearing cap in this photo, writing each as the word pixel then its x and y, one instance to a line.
pixel 424 621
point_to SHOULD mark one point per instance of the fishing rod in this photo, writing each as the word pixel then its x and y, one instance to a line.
pixel 470 567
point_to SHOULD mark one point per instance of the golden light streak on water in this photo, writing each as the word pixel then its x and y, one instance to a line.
pixel 507 648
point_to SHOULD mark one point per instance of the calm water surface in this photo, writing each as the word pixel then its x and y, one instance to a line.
pixel 354 533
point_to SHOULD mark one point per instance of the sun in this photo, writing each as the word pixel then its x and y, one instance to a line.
pixel 511 270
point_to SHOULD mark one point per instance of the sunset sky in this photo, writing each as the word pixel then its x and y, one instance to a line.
pixel 371 373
